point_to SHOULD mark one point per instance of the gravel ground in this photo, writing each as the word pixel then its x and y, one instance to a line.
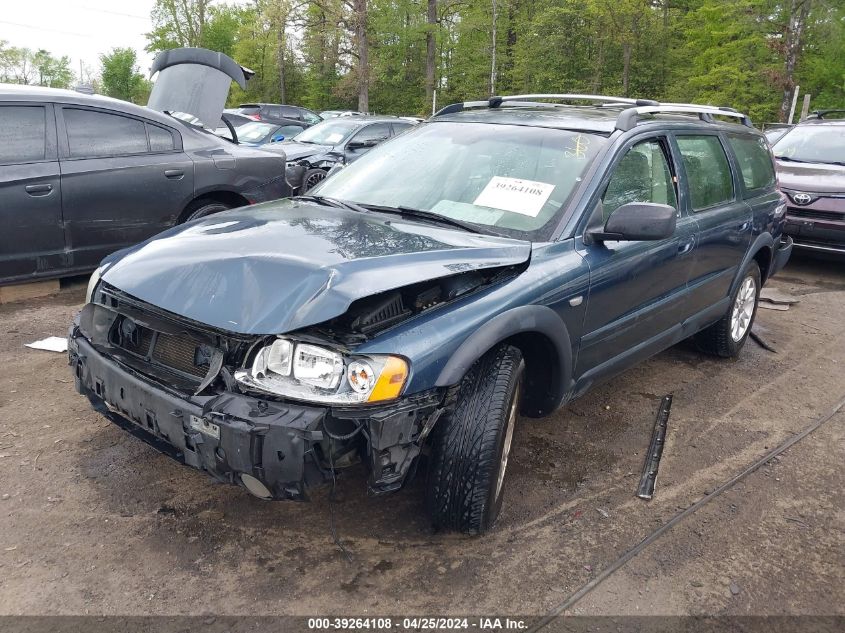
pixel 93 521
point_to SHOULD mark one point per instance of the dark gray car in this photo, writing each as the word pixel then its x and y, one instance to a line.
pixel 82 176
pixel 336 141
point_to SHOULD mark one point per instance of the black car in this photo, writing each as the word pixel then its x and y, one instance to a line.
pixel 274 112
pixel 82 176
pixel 500 259
pixel 336 141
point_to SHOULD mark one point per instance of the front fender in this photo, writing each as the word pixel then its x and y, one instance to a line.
pixel 529 319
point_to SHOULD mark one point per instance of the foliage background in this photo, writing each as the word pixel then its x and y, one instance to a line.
pixel 389 56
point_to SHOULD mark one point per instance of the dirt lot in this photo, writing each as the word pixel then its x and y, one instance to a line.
pixel 94 521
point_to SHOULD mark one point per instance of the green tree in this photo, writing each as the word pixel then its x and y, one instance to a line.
pixel 120 76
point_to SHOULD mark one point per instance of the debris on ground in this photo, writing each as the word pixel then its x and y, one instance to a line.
pixel 734 589
pixel 655 449
pixel 778 297
pixel 761 342
pixel 49 344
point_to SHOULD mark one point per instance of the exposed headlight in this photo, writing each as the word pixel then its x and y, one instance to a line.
pixel 92 283
pixel 308 372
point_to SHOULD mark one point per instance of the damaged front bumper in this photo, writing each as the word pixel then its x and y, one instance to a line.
pixel 276 449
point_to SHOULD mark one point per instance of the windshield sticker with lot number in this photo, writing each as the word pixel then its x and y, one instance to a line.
pixel 334 138
pixel 525 197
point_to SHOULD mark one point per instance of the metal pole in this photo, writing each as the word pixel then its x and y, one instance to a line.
pixel 433 102
pixel 805 109
pixel 794 102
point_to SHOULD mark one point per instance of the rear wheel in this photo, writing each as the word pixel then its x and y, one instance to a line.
pixel 727 336
pixel 202 208
pixel 471 446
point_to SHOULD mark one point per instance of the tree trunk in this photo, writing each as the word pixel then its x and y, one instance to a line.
pixel 363 55
pixel 626 67
pixel 596 84
pixel 493 54
pixel 281 44
pixel 799 10
pixel 430 43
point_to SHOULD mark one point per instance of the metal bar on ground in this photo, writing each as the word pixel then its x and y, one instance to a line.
pixel 655 449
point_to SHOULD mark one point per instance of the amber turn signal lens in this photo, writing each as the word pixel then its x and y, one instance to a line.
pixel 390 381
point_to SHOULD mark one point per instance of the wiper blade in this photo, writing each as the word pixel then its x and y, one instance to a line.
pixel 410 212
pixel 333 202
pixel 791 160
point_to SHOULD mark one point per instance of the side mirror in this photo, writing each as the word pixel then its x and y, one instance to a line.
pixel 364 144
pixel 636 221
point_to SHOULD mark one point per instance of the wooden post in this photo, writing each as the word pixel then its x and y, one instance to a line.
pixel 794 102
pixel 805 109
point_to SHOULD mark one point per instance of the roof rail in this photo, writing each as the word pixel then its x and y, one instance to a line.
pixel 628 118
pixel 821 114
pixel 495 102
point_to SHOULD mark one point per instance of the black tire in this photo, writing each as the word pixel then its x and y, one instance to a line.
pixel 312 178
pixel 202 208
pixel 463 491
pixel 718 339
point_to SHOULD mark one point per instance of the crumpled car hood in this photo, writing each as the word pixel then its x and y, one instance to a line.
pixel 287 264
pixel 296 151
pixel 815 177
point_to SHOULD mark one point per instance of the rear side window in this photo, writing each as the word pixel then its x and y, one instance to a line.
pixel 91 134
pixel 708 172
pixel 755 162
pixel 23 133
pixel 398 128
pixel 160 139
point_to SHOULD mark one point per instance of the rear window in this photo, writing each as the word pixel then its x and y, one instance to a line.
pixel 755 162
pixel 248 109
pixel 708 172
pixel 23 131
pixel 91 134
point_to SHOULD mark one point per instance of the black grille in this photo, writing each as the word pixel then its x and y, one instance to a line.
pixel 816 214
pixel 184 353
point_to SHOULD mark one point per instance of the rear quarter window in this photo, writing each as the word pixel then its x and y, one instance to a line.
pixel 755 161
pixel 707 169
pixel 23 133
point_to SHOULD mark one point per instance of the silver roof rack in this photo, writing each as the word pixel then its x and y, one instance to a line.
pixel 626 120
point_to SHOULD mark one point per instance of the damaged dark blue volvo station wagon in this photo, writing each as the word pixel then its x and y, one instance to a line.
pixel 502 257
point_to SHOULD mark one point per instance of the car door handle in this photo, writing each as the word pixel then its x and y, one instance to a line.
pixel 743 226
pixel 686 247
pixel 39 190
pixel 174 174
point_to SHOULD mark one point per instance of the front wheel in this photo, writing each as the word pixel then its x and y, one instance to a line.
pixel 312 178
pixel 727 336
pixel 472 444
